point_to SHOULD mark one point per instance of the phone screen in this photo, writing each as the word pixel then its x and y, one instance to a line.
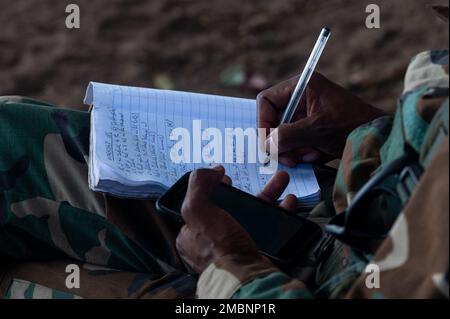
pixel 269 226
pixel 275 231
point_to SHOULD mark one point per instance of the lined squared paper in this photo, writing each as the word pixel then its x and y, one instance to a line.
pixel 130 136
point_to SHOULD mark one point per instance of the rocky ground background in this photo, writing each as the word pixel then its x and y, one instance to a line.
pixel 214 46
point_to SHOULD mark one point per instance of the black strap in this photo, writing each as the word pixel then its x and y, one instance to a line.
pixel 347 226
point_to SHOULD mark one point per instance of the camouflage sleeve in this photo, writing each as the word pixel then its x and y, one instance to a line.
pixel 240 277
pixel 413 261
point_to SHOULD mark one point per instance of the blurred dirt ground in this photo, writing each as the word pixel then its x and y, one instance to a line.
pixel 208 45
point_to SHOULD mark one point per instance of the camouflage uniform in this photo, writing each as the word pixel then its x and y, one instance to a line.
pixel 49 218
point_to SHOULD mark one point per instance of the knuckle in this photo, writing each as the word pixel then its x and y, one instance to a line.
pixel 203 177
pixel 199 174
pixel 186 208
pixel 196 178
pixel 261 95
pixel 189 209
pixel 194 175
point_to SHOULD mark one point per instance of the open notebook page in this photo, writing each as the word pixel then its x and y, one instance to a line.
pixel 131 136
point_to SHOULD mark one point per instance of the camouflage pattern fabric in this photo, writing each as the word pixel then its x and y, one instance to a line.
pixel 49 218
pixel 48 213
pixel 413 260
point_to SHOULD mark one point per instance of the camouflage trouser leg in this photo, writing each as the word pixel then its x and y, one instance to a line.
pixel 49 218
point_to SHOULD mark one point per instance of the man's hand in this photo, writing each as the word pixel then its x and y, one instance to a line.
pixel 210 232
pixel 325 116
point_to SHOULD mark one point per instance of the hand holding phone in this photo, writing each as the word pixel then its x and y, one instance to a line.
pixel 223 220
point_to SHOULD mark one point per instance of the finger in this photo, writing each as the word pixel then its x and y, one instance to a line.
pixel 312 155
pixel 266 259
pixel 290 136
pixel 288 159
pixel 227 180
pixel 219 168
pixel 279 94
pixel 302 155
pixel 275 187
pixel 271 102
pixel 267 116
pixel 307 155
pixel 202 182
pixel 289 203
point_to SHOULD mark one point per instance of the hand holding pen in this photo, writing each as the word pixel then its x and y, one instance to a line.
pixel 304 79
pixel 323 117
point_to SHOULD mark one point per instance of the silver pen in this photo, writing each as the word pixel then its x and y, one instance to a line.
pixel 304 78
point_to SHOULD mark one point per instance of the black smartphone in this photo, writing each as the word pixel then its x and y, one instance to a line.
pixel 278 234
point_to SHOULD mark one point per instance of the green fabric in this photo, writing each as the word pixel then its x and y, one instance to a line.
pixel 24 127
pixel 270 287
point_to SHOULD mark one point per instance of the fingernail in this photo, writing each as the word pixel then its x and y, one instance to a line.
pixel 310 157
pixel 219 168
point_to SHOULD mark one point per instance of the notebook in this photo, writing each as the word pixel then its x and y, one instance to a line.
pixel 130 141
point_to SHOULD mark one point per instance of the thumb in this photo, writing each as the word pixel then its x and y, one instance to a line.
pixel 290 136
pixel 203 181
pixel 201 185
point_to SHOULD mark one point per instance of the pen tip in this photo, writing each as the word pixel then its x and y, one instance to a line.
pixel 326 31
